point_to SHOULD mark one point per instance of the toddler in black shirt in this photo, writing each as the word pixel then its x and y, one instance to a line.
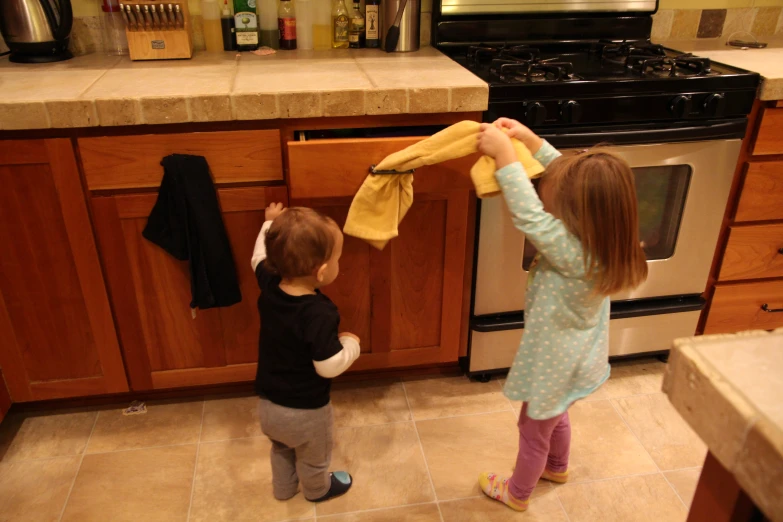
pixel 300 350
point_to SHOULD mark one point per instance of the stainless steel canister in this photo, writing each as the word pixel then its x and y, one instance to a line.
pixel 409 24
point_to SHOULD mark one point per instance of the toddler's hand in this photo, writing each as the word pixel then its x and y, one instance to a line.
pixel 495 143
pixel 350 336
pixel 273 210
pixel 520 132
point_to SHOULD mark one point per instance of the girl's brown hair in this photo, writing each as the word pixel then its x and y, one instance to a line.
pixel 299 241
pixel 594 194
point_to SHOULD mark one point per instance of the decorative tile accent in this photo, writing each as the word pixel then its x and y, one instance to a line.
pixel 86 35
pixel 386 101
pixel 662 25
pixel 345 103
pixel 72 113
pixel 122 111
pixel 711 25
pixel 738 20
pixel 685 24
pixel 766 21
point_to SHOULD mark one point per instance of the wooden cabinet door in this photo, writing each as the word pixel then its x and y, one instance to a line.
pixel 405 302
pixel 58 337
pixel 165 346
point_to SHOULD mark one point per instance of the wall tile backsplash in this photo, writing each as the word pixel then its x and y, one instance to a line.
pixel 668 24
pixel 739 23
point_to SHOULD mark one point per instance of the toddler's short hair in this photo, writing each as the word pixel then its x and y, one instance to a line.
pixel 299 241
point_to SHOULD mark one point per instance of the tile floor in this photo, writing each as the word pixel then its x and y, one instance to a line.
pixel 415 449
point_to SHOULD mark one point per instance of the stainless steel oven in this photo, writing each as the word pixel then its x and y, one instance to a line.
pixel 682 190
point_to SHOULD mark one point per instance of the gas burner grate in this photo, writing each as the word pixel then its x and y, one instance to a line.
pixel 629 54
pixel 520 64
pixel 683 65
pixel 480 54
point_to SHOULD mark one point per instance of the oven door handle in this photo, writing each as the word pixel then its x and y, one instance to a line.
pixel 640 135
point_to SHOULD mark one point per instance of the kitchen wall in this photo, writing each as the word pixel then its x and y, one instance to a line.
pixel 675 20
pixel 717 19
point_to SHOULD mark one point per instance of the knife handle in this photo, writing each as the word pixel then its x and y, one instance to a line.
pixel 155 18
pixel 134 25
pixel 125 18
pixel 180 19
pixel 147 18
pixel 164 20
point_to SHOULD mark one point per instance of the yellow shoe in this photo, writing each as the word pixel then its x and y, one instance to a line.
pixel 560 478
pixel 496 488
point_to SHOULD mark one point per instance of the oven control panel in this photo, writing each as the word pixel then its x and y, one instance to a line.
pixel 624 109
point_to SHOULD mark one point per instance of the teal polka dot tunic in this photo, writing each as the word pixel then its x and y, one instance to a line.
pixel 564 352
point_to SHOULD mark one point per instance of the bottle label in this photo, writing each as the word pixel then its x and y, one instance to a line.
pixel 287 27
pixel 372 22
pixel 353 37
pixel 341 28
pixel 245 21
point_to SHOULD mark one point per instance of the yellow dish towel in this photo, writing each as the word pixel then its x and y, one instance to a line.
pixel 382 201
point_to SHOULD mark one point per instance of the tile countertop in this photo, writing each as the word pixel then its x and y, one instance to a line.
pixel 98 90
pixel 729 389
pixel 767 62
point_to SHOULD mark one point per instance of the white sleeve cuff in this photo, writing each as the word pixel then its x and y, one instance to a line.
pixel 259 251
pixel 341 361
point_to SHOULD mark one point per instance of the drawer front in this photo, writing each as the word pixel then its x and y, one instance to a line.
pixel 770 136
pixel 337 168
pixel 753 252
pixel 762 193
pixel 121 162
pixel 740 307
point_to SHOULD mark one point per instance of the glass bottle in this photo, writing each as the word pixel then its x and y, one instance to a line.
pixel 304 24
pixel 356 32
pixel 372 24
pixel 322 25
pixel 114 38
pixel 340 25
pixel 286 23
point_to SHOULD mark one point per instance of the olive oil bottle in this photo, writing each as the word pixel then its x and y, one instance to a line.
pixel 341 20
pixel 246 25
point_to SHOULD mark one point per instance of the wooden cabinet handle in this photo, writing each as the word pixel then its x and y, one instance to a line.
pixel 766 308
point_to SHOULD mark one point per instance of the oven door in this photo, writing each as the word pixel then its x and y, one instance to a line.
pixel 682 190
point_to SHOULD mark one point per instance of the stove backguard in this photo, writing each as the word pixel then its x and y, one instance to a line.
pixel 472 7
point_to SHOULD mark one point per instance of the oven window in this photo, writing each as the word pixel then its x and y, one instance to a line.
pixel 661 193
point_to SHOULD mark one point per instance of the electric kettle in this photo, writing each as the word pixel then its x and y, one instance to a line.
pixel 36 31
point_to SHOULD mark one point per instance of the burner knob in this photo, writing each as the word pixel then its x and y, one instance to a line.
pixel 715 105
pixel 681 106
pixel 571 111
pixel 535 114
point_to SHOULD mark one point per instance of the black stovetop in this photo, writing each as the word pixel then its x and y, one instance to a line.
pixel 636 64
pixel 605 82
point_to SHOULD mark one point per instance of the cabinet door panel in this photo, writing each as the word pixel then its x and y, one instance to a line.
pixel 417 277
pixel 59 337
pixel 405 302
pixel 164 344
pixel 351 290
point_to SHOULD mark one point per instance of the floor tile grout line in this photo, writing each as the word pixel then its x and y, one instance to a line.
pixel 423 454
pixel 79 467
pixel 625 422
pixel 660 471
pixel 123 450
pixel 675 491
pixel 373 510
pixel 195 463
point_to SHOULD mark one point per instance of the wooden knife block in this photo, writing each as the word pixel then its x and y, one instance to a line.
pixel 164 44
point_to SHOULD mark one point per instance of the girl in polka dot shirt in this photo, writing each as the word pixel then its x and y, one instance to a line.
pixel 585 228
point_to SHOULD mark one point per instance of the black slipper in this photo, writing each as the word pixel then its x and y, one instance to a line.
pixel 341 483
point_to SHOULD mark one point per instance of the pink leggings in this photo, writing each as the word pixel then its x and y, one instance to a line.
pixel 542 444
